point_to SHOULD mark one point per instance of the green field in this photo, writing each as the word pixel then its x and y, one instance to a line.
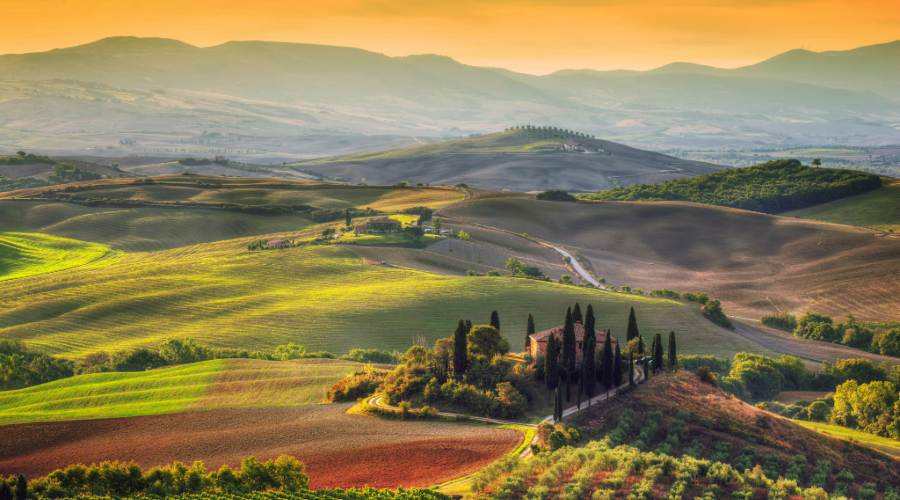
pixel 224 383
pixel 23 254
pixel 879 209
pixel 886 445
pixel 322 297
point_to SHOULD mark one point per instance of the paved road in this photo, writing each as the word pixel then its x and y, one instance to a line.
pixel 586 276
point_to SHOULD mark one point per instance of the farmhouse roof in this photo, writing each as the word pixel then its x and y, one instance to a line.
pixel 383 221
pixel 544 336
pixel 275 241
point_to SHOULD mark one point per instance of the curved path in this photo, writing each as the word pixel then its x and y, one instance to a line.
pixel 586 276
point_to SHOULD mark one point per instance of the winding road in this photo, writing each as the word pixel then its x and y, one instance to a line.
pixel 586 276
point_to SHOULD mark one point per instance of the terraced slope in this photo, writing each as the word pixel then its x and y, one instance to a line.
pixel 324 298
pixel 23 254
pixel 754 263
pixel 217 384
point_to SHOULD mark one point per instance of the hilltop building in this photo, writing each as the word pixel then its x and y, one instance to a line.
pixel 539 340
pixel 379 226
pixel 278 244
pixel 571 145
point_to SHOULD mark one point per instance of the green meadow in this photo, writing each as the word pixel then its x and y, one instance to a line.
pixel 885 445
pixel 23 254
pixel 320 296
pixel 879 209
pixel 223 383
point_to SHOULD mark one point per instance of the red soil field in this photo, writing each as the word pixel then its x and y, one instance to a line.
pixel 339 450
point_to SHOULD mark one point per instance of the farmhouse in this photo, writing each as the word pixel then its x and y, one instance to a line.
pixel 278 244
pixel 379 226
pixel 539 340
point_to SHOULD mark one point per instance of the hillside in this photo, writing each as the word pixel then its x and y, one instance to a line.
pixel 207 385
pixel 323 297
pixel 879 209
pixel 24 254
pixel 755 264
pixel 517 160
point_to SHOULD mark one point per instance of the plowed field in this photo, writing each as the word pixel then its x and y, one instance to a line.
pixel 339 450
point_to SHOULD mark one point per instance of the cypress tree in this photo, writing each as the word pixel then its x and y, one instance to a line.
pixel 576 313
pixel 580 390
pixel 632 331
pixel 460 346
pixel 608 361
pixel 551 371
pixel 568 340
pixel 631 369
pixel 589 325
pixel 529 330
pixel 646 372
pixel 495 320
pixel 657 352
pixel 468 326
pixel 589 367
pixel 641 348
pixel 673 356
pixel 21 488
pixel 5 491
pixel 570 372
pixel 557 402
pixel 347 217
pixel 617 368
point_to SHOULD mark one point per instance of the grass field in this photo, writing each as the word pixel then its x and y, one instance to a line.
pixel 141 229
pixel 886 445
pixel 224 383
pixel 791 397
pixel 879 209
pixel 180 188
pixel 322 297
pixel 23 254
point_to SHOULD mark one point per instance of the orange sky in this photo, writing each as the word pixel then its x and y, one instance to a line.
pixel 524 35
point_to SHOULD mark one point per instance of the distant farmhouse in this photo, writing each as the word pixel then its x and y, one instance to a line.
pixel 278 244
pixel 539 340
pixel 379 226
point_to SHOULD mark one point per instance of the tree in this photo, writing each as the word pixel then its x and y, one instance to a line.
pixel 617 367
pixel 816 162
pixel 589 367
pixel 589 323
pixel 673 356
pixel 413 233
pixel 580 390
pixel 495 320
pixel 632 331
pixel 347 218
pixel 576 314
pixel 657 352
pixel 569 351
pixel 6 492
pixel 641 348
pixel 21 488
pixel 486 341
pixel 468 326
pixel 557 401
pixel 570 372
pixel 460 349
pixel 608 361
pixel 631 369
pixel 551 369
pixel 437 224
pixel 529 331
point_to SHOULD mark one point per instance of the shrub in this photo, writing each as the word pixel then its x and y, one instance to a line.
pixel 555 195
pixel 745 459
pixel 706 376
pixel 695 450
pixel 405 410
pixel 783 321
pixel 360 384
pixel 427 412
pixel 821 474
pixel 796 468
pixel 867 491
pixel 722 451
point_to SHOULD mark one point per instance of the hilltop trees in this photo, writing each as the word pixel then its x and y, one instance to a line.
pixel 460 349
pixel 486 341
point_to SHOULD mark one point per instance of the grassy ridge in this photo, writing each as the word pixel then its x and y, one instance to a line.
pixel 229 383
pixel 886 445
pixel 325 298
pixel 879 209
pixel 24 254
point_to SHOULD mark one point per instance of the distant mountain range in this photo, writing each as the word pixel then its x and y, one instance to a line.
pixel 797 97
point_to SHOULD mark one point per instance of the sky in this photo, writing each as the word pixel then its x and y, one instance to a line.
pixel 530 36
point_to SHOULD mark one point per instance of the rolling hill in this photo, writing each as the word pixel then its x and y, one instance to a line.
pixel 755 264
pixel 879 209
pixel 154 92
pixel 513 160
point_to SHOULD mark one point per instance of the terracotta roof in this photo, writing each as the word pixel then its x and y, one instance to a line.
pixel 384 221
pixel 275 241
pixel 544 336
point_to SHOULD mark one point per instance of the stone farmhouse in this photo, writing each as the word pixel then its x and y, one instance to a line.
pixel 278 244
pixel 539 340
pixel 379 226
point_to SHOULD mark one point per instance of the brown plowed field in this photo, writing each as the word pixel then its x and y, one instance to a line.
pixel 754 263
pixel 339 450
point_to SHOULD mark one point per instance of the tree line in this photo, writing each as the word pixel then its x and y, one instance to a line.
pixel 772 187
pixel 878 339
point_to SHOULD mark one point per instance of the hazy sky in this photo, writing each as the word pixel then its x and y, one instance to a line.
pixel 524 35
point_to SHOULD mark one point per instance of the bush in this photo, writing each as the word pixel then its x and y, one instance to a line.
pixel 706 376
pixel 713 309
pixel 722 451
pixel 359 385
pixel 783 321
pixel 555 195
pixel 821 474
pixel 405 410
pixel 745 459
pixel 796 468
